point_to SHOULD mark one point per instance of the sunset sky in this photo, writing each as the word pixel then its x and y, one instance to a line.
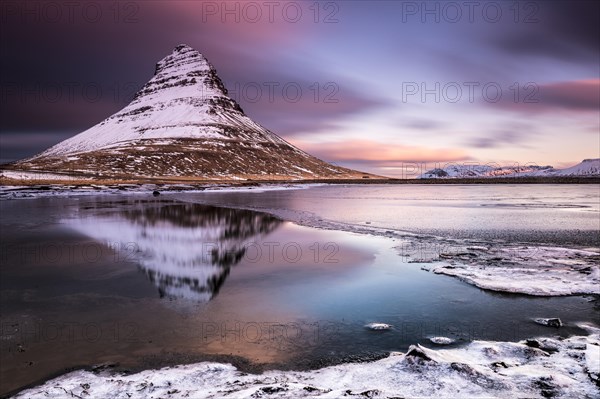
pixel 384 85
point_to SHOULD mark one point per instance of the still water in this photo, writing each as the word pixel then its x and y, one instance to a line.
pixel 144 281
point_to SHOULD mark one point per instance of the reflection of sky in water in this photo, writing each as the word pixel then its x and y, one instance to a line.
pixel 186 250
pixel 562 214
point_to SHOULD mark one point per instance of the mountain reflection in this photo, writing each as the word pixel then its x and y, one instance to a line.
pixel 186 250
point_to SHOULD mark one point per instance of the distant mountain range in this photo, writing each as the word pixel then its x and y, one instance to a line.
pixel 181 124
pixel 587 168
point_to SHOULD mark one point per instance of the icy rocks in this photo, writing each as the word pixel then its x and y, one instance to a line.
pixel 418 352
pixel 552 322
pixel 378 326
pixel 441 340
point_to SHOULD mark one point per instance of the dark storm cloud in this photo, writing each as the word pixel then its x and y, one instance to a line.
pixel 18 145
pixel 566 30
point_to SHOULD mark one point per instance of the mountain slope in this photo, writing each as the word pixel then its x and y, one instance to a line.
pixel 588 167
pixel 182 124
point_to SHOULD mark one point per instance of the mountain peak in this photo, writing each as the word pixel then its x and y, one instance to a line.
pixel 182 123
pixel 183 56
pixel 182 47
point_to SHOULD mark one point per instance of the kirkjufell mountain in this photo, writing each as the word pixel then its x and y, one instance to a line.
pixel 182 125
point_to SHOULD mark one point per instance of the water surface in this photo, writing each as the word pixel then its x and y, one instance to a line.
pixel 147 282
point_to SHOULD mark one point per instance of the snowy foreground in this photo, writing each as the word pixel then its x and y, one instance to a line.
pixel 535 368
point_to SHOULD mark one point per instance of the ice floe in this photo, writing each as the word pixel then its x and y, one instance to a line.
pixel 553 322
pixel 378 326
pixel 442 340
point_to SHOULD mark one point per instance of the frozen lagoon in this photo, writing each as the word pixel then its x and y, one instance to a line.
pixel 379 275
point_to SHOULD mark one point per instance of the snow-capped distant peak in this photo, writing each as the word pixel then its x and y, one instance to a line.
pixel 588 167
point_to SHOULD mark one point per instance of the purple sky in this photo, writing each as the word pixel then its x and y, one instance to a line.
pixel 383 85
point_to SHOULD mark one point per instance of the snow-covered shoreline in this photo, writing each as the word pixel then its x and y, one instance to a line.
pixel 534 368
pixel 50 190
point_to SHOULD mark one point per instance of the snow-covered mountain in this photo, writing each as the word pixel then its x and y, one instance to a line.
pixel 587 168
pixel 182 123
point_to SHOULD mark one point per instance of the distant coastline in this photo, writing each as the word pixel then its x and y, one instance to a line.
pixel 180 184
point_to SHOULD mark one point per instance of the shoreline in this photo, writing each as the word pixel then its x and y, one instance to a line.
pixel 242 182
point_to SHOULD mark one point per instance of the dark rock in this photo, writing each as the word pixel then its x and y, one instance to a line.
pixel 103 366
pixel 534 343
pixel 418 352
pixel 499 364
pixel 548 388
pixel 271 390
pixel 371 393
pixel 155 193
pixel 475 376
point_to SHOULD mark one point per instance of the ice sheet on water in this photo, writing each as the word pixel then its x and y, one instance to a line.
pixel 539 270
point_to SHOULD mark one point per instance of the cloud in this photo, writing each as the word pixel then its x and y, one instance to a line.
pixel 495 139
pixel 510 134
pixel 379 154
pixel 306 114
pixel 582 95
pixel 565 30
pixel 116 56
pixel 571 96
pixel 422 124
